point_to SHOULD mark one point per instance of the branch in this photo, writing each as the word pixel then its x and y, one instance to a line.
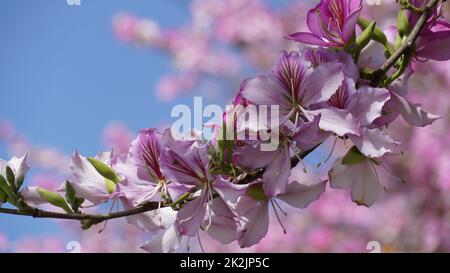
pixel 98 218
pixel 407 45
pixel 38 213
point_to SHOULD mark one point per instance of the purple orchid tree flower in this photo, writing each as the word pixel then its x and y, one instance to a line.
pixel 253 209
pixel 364 104
pixel 190 169
pixel 294 86
pixel 398 104
pixel 89 183
pixel 292 141
pixel 331 23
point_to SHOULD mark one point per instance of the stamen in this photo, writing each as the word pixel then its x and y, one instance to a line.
pixel 292 91
pixel 279 207
pixel 391 174
pixel 200 243
pixel 188 247
pixel 300 160
pixel 295 123
pixel 278 217
pixel 329 154
pixel 376 175
pixel 110 210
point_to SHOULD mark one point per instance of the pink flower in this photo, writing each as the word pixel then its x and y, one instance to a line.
pixel 332 23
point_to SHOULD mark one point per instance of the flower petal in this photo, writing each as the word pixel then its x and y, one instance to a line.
pixel 413 113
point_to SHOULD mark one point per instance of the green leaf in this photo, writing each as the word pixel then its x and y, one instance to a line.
pixel 5 187
pixel 104 170
pixel 403 23
pixel 256 192
pixel 110 186
pixel 54 199
pixel 353 156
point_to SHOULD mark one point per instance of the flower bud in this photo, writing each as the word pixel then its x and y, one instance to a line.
pixel 104 170
pixel 377 35
pixel 402 23
pixel 54 199
pixel 366 36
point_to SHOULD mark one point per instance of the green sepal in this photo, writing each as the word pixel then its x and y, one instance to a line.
pixel 353 156
pixel 11 178
pixel 2 197
pixel 6 188
pixel 256 192
pixel 74 201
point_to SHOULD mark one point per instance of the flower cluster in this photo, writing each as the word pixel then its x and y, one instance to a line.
pixel 226 186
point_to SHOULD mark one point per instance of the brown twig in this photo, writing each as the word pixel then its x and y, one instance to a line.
pixel 406 46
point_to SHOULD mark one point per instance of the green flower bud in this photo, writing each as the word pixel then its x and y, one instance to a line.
pixel 366 36
pixel 104 170
pixel 110 186
pixel 402 23
pixel 54 199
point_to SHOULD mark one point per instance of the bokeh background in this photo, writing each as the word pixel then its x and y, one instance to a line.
pixel 89 76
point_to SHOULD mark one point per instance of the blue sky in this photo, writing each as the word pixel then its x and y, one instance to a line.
pixel 64 77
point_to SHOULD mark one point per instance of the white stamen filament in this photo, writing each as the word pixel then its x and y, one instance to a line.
pixel 200 243
pixel 278 216
pixel 329 154
pixel 110 210
pixel 296 152
pixel 391 174
pixel 279 207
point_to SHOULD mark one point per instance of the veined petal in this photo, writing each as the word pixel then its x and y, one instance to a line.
pixel 413 113
pixel 190 217
pixel 302 189
pixel 368 104
pixel 190 167
pixel 322 83
pixel 227 190
pixel 255 221
pixel 277 173
pixel 309 38
pixel 264 90
pixel 374 143
pixel 365 189
pixel 338 121
pixel 88 184
pixel 164 241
